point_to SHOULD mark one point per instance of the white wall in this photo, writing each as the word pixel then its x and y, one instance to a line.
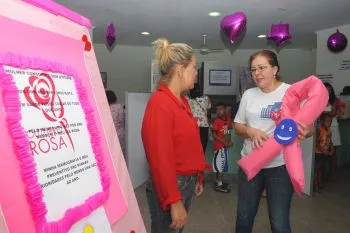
pixel 328 62
pixel 295 64
pixel 136 159
pixel 129 67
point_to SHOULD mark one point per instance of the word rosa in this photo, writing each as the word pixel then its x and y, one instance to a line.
pixel 46 145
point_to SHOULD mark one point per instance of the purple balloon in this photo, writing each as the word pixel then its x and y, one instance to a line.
pixel 233 25
pixel 279 33
pixel 110 35
pixel 337 42
pixel 110 40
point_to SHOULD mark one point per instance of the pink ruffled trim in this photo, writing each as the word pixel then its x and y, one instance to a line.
pixel 57 9
pixel 21 144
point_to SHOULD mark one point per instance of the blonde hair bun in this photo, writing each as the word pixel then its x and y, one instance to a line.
pixel 161 43
pixel 168 55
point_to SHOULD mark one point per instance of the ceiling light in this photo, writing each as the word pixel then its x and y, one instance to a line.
pixel 145 33
pixel 262 36
pixel 214 14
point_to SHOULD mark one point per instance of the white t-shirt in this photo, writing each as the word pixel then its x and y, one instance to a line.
pixel 255 110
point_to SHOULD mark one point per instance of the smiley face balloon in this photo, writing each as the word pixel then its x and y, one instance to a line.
pixel 286 131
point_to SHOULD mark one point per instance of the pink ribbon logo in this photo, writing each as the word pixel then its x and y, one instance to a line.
pixel 42 95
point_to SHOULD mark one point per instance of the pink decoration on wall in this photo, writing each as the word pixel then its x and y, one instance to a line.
pixel 87 43
pixel 313 92
pixel 12 109
pixel 57 9
pixel 279 33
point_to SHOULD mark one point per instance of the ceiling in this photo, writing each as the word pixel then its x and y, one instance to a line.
pixel 186 20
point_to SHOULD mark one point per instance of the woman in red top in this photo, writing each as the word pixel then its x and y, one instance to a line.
pixel 171 140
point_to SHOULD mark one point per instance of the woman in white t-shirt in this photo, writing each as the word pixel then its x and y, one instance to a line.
pixel 254 121
pixel 200 106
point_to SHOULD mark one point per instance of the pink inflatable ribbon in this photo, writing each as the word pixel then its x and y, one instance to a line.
pixel 315 95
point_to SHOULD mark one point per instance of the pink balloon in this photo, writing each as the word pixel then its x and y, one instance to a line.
pixel 315 93
pixel 279 33
pixel 110 35
pixel 233 25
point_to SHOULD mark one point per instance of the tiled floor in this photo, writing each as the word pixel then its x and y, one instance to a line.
pixel 212 212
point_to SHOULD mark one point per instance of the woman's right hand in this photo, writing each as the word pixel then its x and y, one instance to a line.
pixel 178 215
pixel 257 137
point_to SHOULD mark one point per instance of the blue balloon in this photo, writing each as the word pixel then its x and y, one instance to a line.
pixel 286 131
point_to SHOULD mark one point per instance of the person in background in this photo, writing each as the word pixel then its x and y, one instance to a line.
pixel 222 140
pixel 200 106
pixel 324 149
pixel 334 110
pixel 254 122
pixel 117 111
pixel 171 140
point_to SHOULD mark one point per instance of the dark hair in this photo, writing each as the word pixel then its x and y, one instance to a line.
pixel 324 117
pixel 196 92
pixel 271 58
pixel 111 97
pixel 220 104
pixel 346 91
pixel 331 94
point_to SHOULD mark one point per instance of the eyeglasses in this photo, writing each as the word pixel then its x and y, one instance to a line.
pixel 258 68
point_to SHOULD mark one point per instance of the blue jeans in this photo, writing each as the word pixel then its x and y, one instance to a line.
pixel 279 192
pixel 162 219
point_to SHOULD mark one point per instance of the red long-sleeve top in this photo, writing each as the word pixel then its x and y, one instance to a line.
pixel 172 143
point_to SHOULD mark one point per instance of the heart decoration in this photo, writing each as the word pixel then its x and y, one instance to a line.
pixel 233 25
pixel 87 46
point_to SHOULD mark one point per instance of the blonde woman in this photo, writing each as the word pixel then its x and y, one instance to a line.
pixel 171 140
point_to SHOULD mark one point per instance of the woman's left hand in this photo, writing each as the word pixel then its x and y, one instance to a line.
pixel 198 190
pixel 304 131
